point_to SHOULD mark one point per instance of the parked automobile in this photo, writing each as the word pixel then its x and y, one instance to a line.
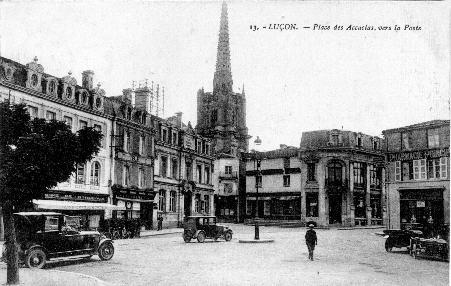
pixel 202 227
pixel 399 238
pixel 43 236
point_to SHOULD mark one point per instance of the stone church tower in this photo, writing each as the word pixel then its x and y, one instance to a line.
pixel 221 114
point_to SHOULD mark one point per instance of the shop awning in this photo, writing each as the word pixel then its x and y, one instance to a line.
pixel 71 205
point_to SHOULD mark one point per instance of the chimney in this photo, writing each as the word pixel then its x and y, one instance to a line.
pixel 88 79
pixel 142 98
pixel 127 94
pixel 179 119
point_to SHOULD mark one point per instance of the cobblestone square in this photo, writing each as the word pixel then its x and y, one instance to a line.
pixel 342 257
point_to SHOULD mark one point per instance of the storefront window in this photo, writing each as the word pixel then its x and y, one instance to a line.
pixel 359 205
pixel 311 201
pixel 376 207
pixel 95 174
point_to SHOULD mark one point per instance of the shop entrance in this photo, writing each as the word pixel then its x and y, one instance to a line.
pixel 147 214
pixel 417 206
pixel 334 208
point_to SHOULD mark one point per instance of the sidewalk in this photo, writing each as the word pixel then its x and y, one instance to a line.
pixel 49 277
pixel 147 233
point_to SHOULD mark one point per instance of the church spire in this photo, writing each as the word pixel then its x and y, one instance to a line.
pixel 223 73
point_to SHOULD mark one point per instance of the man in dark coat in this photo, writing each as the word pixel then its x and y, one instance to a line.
pixel 311 240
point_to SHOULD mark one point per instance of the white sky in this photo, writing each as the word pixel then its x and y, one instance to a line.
pixel 295 81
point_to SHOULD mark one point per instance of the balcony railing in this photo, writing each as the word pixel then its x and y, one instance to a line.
pixel 230 175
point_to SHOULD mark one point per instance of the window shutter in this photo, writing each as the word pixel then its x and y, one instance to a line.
pixel 443 168
pixel 397 171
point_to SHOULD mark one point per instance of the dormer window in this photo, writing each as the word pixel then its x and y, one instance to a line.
pixel 34 80
pixel 359 142
pixel 84 97
pixel 98 102
pixel 9 73
pixel 69 92
pixel 52 87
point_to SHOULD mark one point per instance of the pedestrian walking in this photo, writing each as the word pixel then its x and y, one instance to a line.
pixel 311 240
pixel 160 222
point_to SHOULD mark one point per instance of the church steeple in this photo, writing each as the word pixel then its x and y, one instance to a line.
pixel 223 73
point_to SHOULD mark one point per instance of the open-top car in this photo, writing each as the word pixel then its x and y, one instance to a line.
pixel 202 227
pixel 399 238
pixel 42 236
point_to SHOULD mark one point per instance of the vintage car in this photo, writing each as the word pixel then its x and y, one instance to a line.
pixel 399 238
pixel 42 236
pixel 202 227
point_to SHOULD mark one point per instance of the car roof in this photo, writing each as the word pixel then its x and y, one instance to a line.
pixel 37 213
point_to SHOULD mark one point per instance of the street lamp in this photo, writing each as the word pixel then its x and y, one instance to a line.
pixel 257 165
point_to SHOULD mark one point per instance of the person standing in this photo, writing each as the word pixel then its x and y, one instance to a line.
pixel 160 222
pixel 311 240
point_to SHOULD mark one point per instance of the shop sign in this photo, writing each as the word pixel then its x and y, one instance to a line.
pixel 79 197
pixel 134 195
pixel 421 204
pixel 417 155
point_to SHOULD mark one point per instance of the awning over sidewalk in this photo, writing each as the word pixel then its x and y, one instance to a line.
pixel 71 205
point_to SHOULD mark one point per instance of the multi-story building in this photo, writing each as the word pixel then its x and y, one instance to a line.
pixel 132 149
pixel 221 116
pixel 418 173
pixel 86 194
pixel 183 171
pixel 342 178
pixel 277 177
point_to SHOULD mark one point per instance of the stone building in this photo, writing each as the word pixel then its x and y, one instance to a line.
pixel 418 174
pixel 221 116
pixel 183 171
pixel 342 178
pixel 85 196
pixel 277 175
pixel 132 149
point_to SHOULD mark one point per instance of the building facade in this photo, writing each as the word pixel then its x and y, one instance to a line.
pixel 342 178
pixel 418 174
pixel 132 151
pixel 183 171
pixel 221 116
pixel 277 177
pixel 85 196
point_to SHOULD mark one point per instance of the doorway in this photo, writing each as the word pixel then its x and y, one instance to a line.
pixel 147 214
pixel 335 208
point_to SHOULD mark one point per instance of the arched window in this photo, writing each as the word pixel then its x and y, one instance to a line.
pixel 95 173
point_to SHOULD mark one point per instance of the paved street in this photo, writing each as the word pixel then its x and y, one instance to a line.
pixel 343 257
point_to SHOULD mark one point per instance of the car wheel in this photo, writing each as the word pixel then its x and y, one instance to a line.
pixel 388 246
pixel 35 258
pixel 186 238
pixel 228 236
pixel 106 251
pixel 201 237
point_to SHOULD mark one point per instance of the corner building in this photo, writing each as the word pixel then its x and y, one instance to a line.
pixel 418 174
pixel 85 196
pixel 342 178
